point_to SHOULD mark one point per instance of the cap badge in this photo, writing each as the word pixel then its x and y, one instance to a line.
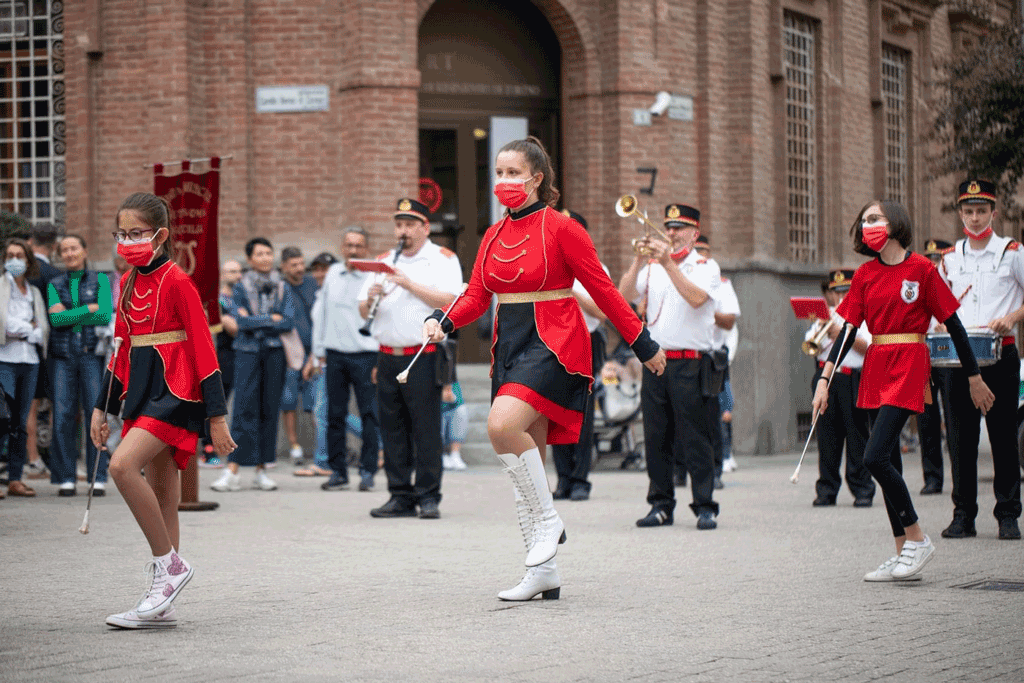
pixel 404 205
pixel 974 187
pixel 931 246
pixel 673 211
pixel 840 277
pixel 565 212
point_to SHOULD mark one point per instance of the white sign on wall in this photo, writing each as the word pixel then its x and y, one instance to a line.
pixel 289 98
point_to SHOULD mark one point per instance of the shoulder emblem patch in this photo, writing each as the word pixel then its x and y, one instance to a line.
pixel 381 257
pixel 1014 245
pixel 948 250
pixel 701 261
pixel 448 253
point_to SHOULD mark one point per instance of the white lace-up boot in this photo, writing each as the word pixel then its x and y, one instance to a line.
pixel 540 579
pixel 531 480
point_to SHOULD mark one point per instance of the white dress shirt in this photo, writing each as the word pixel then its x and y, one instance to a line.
pixel 20 336
pixel 854 359
pixel 674 323
pixel 335 314
pixel 988 282
pixel 401 313
pixel 727 303
pixel 592 322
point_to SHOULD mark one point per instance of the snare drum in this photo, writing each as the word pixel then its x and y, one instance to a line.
pixel 987 347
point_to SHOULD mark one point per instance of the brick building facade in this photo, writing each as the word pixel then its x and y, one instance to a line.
pixel 801 111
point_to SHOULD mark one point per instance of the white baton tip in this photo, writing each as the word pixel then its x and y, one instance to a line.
pixel 794 479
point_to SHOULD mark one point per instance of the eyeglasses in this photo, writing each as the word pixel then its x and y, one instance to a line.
pixel 874 218
pixel 137 234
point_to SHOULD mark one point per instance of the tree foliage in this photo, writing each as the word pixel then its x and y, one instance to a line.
pixel 13 225
pixel 979 122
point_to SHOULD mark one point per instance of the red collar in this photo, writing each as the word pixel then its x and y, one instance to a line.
pixel 681 254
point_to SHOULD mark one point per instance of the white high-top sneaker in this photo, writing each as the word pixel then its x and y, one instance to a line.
pixel 131 619
pixel 531 480
pixel 167 583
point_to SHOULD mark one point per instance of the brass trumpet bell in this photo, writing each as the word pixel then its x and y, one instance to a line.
pixel 627 207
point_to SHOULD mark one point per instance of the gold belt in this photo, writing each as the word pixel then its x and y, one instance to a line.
pixel 158 338
pixel 899 338
pixel 531 297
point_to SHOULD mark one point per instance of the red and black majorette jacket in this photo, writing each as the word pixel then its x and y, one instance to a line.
pixel 539 249
pixel 164 311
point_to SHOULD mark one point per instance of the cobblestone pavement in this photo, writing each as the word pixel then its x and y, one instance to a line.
pixel 302 585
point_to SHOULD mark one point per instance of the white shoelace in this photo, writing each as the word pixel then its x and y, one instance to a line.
pixel 158 579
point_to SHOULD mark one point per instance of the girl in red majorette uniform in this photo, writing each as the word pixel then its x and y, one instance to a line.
pixel 166 383
pixel 897 293
pixel 541 369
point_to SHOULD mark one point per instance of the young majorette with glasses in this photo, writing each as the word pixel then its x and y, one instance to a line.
pixel 897 293
pixel 166 383
pixel 542 367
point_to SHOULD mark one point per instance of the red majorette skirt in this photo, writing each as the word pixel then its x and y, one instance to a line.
pixel 896 375
pixel 182 441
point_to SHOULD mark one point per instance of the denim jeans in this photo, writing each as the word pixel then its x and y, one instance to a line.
pixel 453 426
pixel 76 384
pixel 259 380
pixel 320 420
pixel 19 383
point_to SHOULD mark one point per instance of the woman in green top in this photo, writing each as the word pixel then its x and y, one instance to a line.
pixel 79 302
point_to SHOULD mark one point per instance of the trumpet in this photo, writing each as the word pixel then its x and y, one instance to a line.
pixel 627 207
pixel 365 329
pixel 812 346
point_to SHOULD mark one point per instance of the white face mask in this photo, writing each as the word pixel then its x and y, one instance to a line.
pixel 16 267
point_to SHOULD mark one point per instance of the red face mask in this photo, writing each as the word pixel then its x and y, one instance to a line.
pixel 979 235
pixel 137 253
pixel 875 235
pixel 511 193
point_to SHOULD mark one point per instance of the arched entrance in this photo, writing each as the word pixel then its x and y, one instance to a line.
pixel 490 73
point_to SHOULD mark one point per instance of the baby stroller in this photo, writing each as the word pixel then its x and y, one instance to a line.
pixel 615 421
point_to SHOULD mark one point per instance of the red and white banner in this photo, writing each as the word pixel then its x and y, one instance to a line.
pixel 194 199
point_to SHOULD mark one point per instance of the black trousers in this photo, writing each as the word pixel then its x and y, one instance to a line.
pixel 929 427
pixel 675 413
pixel 964 430
pixel 883 459
pixel 572 461
pixel 843 423
pixel 344 370
pixel 410 422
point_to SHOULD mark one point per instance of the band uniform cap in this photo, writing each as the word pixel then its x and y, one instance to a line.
pixel 702 239
pixel 576 217
pixel 410 208
pixel 840 280
pixel 976 191
pixel 681 216
pixel 934 247
pixel 324 258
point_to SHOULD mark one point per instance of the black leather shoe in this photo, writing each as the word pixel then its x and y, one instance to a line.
pixel 428 510
pixel 1008 529
pixel 706 520
pixel 561 492
pixel 960 527
pixel 580 491
pixel 656 517
pixel 824 501
pixel 931 488
pixel 396 507
pixel 861 502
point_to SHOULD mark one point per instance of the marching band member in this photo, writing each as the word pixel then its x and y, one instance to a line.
pixel 572 461
pixel 542 370
pixel 426 277
pixel 167 383
pixel 986 271
pixel 897 294
pixel 847 423
pixel 680 288
pixel 929 425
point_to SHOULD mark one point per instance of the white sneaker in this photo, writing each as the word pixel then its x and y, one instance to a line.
pixel 913 559
pixel 296 454
pixel 263 482
pixel 446 462
pixel 167 583
pixel 457 462
pixel 729 464
pixel 884 572
pixel 131 619
pixel 99 488
pixel 228 482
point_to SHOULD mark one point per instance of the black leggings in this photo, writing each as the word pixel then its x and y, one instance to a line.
pixel 882 458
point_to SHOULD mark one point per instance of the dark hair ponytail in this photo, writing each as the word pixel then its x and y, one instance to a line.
pixel 539 161
pixel 156 213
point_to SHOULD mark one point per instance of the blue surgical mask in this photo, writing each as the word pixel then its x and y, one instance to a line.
pixel 15 266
